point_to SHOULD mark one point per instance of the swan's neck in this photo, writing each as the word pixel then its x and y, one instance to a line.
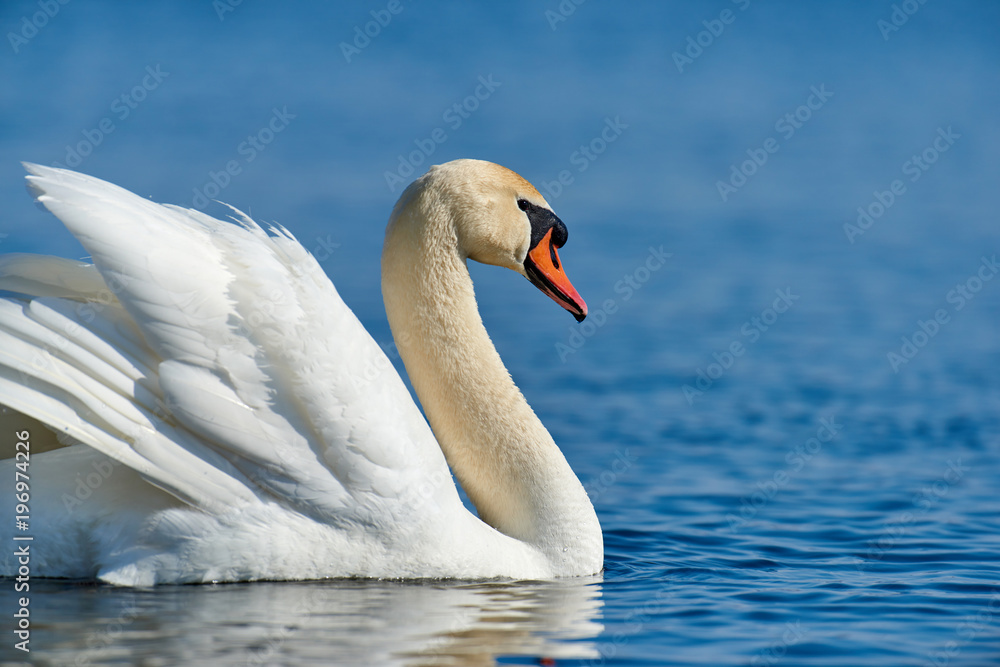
pixel 500 452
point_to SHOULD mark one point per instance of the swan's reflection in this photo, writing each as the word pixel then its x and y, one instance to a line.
pixel 334 622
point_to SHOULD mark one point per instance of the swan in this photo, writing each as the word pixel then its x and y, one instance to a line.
pixel 222 415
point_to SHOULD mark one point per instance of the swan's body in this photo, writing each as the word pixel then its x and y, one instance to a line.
pixel 226 417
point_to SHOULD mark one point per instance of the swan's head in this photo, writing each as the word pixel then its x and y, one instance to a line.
pixel 501 219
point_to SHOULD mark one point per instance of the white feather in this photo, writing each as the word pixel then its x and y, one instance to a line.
pixel 216 372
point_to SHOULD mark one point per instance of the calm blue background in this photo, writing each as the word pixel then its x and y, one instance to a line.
pixel 737 530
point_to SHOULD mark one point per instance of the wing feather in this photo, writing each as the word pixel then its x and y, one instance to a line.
pixel 250 362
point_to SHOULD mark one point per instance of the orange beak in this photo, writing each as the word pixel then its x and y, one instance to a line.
pixel 545 271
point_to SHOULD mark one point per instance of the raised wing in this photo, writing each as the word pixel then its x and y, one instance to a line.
pixel 223 365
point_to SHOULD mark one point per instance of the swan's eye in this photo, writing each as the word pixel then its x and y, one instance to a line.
pixel 523 204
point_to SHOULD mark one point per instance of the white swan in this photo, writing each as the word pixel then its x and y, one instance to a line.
pixel 228 418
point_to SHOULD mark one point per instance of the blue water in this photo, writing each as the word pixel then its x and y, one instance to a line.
pixel 824 493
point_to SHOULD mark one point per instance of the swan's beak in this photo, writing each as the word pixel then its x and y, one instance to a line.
pixel 544 270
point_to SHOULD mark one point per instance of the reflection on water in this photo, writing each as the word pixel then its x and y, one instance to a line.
pixel 339 622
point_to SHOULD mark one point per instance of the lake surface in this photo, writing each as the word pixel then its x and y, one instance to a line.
pixel 786 410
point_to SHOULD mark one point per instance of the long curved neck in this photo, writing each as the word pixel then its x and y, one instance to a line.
pixel 503 456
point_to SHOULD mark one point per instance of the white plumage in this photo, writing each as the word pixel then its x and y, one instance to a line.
pixel 214 373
